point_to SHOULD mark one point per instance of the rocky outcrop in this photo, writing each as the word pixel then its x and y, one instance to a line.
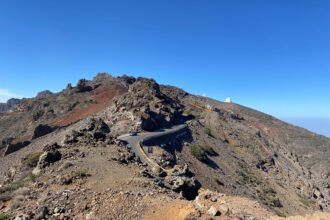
pixel 98 128
pixel 93 131
pixel 149 105
pixel 11 103
pixel 209 204
pixel 42 130
pixel 82 86
pixel 44 94
pixel 50 155
pixel 180 179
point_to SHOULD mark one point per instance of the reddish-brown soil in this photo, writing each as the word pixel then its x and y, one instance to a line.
pixel 103 97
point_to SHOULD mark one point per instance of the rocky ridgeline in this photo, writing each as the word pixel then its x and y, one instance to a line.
pixel 56 145
pixel 148 105
pixel 49 111
pixel 144 103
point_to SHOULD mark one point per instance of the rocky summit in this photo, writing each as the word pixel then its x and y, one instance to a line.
pixel 129 148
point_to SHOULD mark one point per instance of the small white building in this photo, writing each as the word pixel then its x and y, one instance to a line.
pixel 228 100
pixel 208 107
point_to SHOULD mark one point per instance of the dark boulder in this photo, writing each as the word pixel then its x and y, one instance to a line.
pixel 49 157
pixel 42 130
pixel 98 128
pixel 51 147
pixel 82 86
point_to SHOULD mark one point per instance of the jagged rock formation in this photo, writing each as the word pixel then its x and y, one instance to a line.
pixel 11 103
pixel 227 148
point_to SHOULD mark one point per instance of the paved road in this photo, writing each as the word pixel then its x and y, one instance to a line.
pixel 136 142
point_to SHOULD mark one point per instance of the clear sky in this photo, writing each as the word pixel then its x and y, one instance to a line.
pixel 269 55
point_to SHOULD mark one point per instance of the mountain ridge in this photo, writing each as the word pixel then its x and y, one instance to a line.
pixel 228 148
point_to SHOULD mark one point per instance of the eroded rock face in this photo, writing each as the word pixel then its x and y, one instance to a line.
pixel 95 130
pixel 149 105
pixel 98 128
pixel 51 155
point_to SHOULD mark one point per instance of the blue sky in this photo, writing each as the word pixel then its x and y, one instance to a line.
pixel 269 55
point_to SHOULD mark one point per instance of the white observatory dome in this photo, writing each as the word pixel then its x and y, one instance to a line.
pixel 228 100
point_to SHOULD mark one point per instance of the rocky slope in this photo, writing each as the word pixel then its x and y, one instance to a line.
pixel 61 157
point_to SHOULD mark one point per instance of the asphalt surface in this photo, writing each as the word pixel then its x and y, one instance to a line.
pixel 136 142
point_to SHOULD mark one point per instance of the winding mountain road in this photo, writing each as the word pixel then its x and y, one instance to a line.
pixel 136 142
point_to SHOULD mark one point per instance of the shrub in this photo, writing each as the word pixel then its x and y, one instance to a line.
pixel 268 197
pixel 12 187
pixel 187 112
pixel 247 177
pixel 210 151
pixel 218 181
pixel 198 152
pixel 307 201
pixel 31 160
pixel 33 177
pixel 5 216
pixel 207 131
pixel 201 152
pixel 81 173
pixel 279 213
pixel 231 141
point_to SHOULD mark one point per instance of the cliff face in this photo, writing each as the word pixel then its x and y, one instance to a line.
pixel 227 147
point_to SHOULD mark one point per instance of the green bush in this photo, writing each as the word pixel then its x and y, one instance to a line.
pixel 5 216
pixel 201 152
pixel 207 131
pixel 32 177
pixel 246 177
pixel 280 213
pixel 31 160
pixel 210 151
pixel 218 181
pixel 12 187
pixel 81 173
pixel 198 152
pixel 268 197
pixel 187 112
pixel 307 201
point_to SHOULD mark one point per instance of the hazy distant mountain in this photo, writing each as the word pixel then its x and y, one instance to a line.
pixel 317 125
